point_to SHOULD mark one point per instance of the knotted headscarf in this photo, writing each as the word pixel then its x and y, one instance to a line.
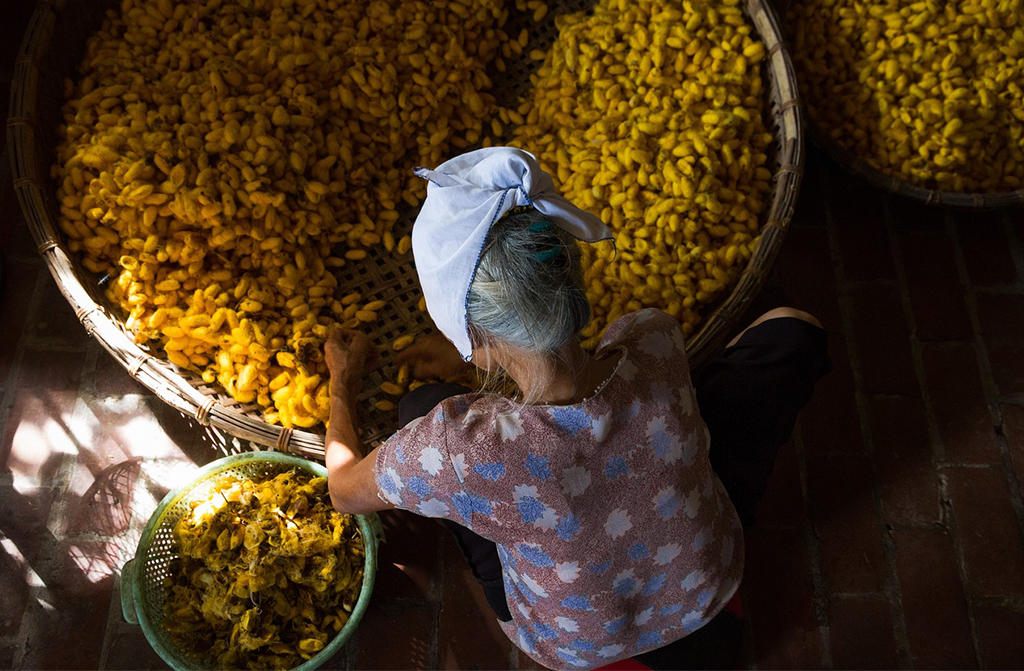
pixel 465 197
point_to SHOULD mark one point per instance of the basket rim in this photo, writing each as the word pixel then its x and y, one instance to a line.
pixel 369 527
pixel 781 75
pixel 859 167
pixel 782 107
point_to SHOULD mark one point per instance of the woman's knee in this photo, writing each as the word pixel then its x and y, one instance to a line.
pixel 779 313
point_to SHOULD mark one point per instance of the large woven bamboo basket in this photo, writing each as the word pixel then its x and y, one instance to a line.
pixel 859 167
pixel 51 51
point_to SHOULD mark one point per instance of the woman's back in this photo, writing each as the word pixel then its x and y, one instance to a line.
pixel 615 536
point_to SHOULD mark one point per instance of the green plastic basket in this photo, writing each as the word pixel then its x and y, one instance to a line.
pixel 142 594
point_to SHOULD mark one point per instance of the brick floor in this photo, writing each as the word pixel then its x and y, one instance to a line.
pixel 890 535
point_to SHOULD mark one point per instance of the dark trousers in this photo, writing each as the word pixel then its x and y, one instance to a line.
pixel 749 395
pixel 481 553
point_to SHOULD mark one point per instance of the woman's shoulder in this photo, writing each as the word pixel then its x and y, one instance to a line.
pixel 655 331
pixel 466 418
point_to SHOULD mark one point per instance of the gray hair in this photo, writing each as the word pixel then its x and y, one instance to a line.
pixel 528 289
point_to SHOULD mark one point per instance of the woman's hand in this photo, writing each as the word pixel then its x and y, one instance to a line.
pixel 350 355
pixel 350 478
pixel 433 356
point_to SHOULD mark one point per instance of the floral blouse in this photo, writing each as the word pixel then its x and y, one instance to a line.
pixel 615 536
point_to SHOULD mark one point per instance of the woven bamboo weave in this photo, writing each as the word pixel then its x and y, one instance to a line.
pixel 50 52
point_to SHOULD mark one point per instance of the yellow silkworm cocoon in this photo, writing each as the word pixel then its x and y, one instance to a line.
pixel 224 196
pixel 400 343
pixel 917 90
pixel 650 114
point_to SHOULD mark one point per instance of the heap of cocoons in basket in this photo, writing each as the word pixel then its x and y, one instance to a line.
pixel 931 93
pixel 649 113
pixel 220 161
pixel 221 165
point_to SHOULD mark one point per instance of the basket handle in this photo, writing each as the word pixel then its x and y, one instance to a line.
pixel 128 593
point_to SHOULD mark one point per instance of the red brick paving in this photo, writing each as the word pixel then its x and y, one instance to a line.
pixel 830 423
pixel 864 242
pixel 19 283
pixel 890 535
pixel 883 340
pixel 986 525
pixel 409 560
pixel 862 634
pixel 1013 428
pixel 111 379
pixel 806 268
pixel 987 249
pixel 25 510
pixel 999 634
pixel 959 404
pixel 397 635
pixel 57 324
pixel 911 215
pixel 904 462
pixel 50 370
pixel 847 525
pixel 934 608
pixel 36 435
pixel 779 599
pixel 1006 357
pixel 468 633
pixel 933 285
pixel 14 594
pixel 1001 315
pixel 82 614
pixel 128 650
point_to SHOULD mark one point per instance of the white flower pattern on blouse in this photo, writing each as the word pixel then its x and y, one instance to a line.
pixel 614 535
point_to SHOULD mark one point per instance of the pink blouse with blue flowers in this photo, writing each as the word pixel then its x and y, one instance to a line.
pixel 615 536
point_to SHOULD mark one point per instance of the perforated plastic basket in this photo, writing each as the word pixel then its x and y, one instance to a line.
pixel 142 593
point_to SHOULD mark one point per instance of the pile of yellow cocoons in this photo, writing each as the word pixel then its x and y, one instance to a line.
pixel 649 113
pixel 929 92
pixel 219 160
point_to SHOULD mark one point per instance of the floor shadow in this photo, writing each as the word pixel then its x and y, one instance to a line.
pixel 55 591
pixel 106 507
pixel 201 444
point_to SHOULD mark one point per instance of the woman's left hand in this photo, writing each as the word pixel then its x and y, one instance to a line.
pixel 350 355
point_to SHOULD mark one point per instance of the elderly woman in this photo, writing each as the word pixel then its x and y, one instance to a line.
pixel 601 508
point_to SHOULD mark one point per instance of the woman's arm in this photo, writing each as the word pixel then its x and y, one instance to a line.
pixel 350 476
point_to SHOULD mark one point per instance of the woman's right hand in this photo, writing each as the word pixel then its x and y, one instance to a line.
pixel 433 356
pixel 350 355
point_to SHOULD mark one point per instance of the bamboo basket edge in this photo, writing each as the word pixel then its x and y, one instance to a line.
pixel 858 167
pixel 163 378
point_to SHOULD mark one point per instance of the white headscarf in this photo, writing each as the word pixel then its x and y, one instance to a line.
pixel 465 197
